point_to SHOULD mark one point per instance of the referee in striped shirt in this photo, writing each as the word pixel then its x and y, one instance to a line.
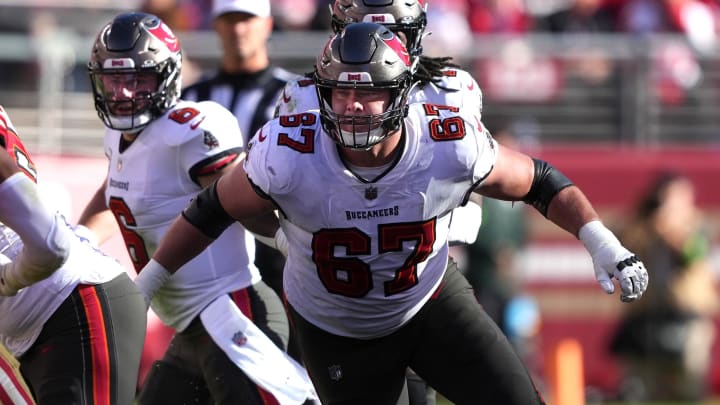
pixel 248 86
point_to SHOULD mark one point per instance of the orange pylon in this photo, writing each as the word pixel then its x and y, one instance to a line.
pixel 565 374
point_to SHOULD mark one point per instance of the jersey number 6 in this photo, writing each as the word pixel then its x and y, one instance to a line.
pixel 133 241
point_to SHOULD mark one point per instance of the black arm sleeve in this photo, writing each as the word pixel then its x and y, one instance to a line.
pixel 547 182
pixel 207 214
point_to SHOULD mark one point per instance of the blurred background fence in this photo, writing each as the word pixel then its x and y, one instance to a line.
pixel 621 89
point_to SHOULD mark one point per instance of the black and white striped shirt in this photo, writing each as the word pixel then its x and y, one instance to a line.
pixel 251 97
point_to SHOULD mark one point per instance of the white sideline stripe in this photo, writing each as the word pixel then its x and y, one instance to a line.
pixel 7 385
pixel 540 262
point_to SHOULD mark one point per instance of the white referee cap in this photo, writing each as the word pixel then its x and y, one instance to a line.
pixel 260 8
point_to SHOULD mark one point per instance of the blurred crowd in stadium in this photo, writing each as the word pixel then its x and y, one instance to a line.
pixel 489 16
pixel 699 20
pixel 677 70
pixel 667 343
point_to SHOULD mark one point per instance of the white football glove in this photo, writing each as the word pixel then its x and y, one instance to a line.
pixel 611 259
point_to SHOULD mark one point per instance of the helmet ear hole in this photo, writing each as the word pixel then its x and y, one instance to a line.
pixel 135 43
pixel 369 56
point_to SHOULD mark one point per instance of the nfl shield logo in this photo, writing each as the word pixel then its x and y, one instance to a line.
pixel 209 140
pixel 335 372
pixel 371 193
pixel 239 338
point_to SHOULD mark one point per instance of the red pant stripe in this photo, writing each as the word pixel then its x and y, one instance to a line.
pixel 100 350
pixel 241 298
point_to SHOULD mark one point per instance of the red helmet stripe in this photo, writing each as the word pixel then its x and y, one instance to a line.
pixel 399 49
pixel 164 34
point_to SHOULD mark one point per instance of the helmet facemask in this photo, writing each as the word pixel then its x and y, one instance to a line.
pixel 130 52
pixel 362 131
pixel 370 57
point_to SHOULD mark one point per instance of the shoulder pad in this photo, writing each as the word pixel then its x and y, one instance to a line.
pixel 277 147
pixel 305 82
pixel 189 119
pixel 297 96
pixel 463 88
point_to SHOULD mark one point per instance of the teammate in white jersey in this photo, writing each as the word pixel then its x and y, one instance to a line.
pixel 71 315
pixel 162 151
pixel 23 214
pixel 33 221
pixel 366 187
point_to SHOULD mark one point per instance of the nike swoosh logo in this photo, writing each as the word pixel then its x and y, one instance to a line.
pixel 471 86
pixel 285 98
pixel 261 137
pixel 195 125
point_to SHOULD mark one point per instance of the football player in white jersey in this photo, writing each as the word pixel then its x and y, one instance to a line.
pixel 162 151
pixel 437 80
pixel 71 315
pixel 20 204
pixel 365 187
pixel 23 214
